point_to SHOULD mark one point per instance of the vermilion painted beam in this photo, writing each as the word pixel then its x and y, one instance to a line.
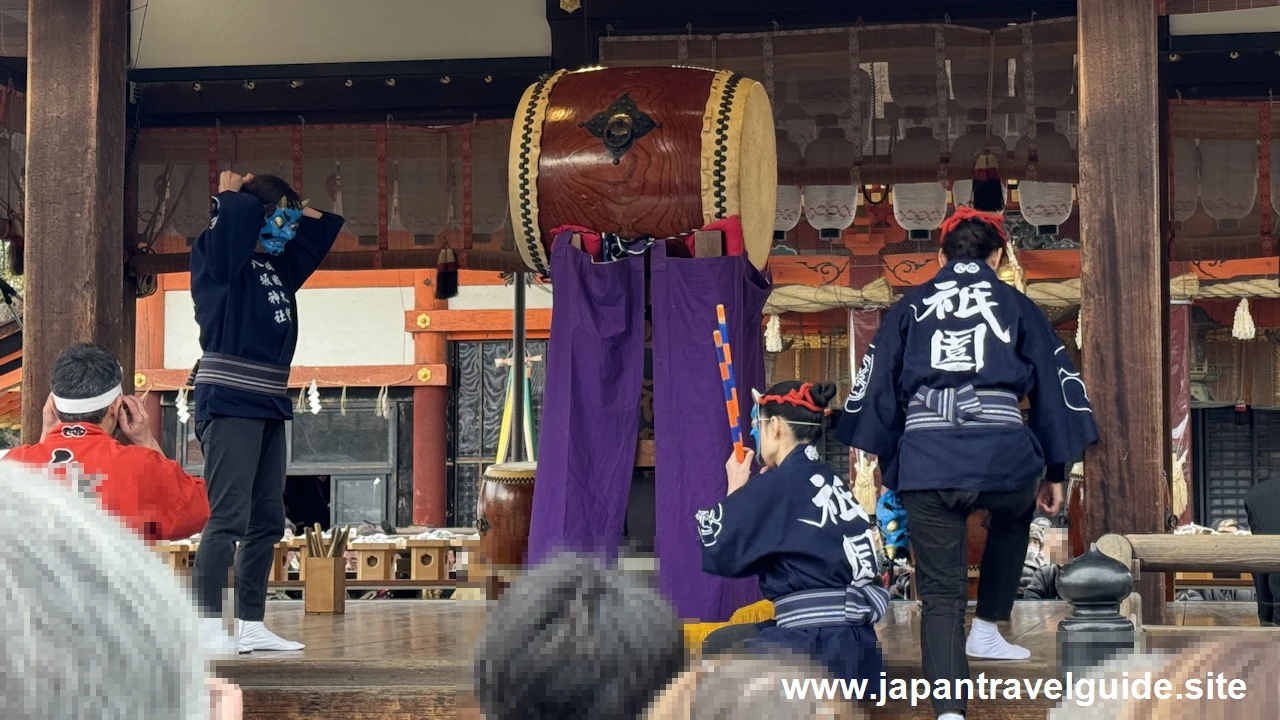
pixel 437 321
pixel 425 375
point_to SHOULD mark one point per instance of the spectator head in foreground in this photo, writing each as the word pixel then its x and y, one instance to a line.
pixel 747 687
pixel 574 639
pixel 1252 661
pixel 95 627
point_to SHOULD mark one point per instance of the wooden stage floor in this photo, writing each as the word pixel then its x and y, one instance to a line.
pixel 409 659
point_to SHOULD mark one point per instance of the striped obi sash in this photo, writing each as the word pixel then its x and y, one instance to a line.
pixel 833 606
pixel 960 407
pixel 235 372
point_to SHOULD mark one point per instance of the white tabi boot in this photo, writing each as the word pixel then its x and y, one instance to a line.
pixel 254 636
pixel 985 642
pixel 218 644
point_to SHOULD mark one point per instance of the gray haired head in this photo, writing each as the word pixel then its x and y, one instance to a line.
pixel 733 688
pixel 94 627
pixel 573 638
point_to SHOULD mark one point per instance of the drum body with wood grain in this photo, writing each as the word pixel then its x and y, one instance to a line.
pixel 656 151
pixel 503 513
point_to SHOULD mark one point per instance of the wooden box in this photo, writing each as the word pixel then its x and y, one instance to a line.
pixel 377 561
pixel 325 590
pixel 428 559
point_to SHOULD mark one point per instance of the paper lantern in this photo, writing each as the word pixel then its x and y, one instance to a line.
pixel 972 73
pixel 1045 205
pixel 787 213
pixel 830 208
pixel 1053 65
pixel 1228 179
pixel 792 118
pixel 967 148
pixel 825 97
pixel 489 205
pixel 913 79
pixel 419 184
pixel 920 208
pixel 1048 205
pixel 1186 178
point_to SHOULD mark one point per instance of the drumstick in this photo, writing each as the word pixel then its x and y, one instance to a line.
pixel 730 394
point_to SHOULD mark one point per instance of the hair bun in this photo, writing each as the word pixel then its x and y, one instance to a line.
pixel 822 393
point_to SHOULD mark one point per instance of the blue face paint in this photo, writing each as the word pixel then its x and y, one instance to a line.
pixel 281 227
pixel 755 425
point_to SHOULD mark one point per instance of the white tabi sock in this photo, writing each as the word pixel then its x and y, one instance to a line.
pixel 217 643
pixel 985 642
pixel 255 636
pixel 950 716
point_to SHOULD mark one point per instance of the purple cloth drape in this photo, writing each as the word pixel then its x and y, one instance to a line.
pixel 590 412
pixel 690 427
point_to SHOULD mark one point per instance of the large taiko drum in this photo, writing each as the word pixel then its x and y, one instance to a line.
pixel 503 513
pixel 655 151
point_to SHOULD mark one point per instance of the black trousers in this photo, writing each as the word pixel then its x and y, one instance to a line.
pixel 936 525
pixel 244 473
pixel 1268 587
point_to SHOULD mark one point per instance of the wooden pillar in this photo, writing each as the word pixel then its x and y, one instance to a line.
pixel 430 406
pixel 1124 276
pixel 75 252
pixel 1180 404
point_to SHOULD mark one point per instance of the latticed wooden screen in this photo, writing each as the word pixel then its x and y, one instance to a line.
pixel 1224 165
pixel 405 191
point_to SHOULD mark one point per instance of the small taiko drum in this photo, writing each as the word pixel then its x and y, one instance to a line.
pixel 646 151
pixel 503 513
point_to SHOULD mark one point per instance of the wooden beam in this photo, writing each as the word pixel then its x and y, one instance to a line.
pixel 75 289
pixel 1124 276
pixel 445 321
pixel 424 375
pixel 421 259
pixel 1206 553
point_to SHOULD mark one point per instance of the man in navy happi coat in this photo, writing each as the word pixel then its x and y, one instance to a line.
pixel 244 281
pixel 938 399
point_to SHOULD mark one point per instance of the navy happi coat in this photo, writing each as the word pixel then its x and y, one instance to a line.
pixel 798 528
pixel 246 300
pixel 936 394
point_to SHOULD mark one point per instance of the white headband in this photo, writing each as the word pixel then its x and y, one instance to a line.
pixel 84 406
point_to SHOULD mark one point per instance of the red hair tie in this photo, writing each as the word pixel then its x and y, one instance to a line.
pixel 964 212
pixel 800 397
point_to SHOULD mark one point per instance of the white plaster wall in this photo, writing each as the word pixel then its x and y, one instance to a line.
pixel 339 327
pixel 204 33
pixel 499 297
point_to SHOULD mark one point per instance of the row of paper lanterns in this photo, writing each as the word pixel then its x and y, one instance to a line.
pixel 1221 176
pixel 919 208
